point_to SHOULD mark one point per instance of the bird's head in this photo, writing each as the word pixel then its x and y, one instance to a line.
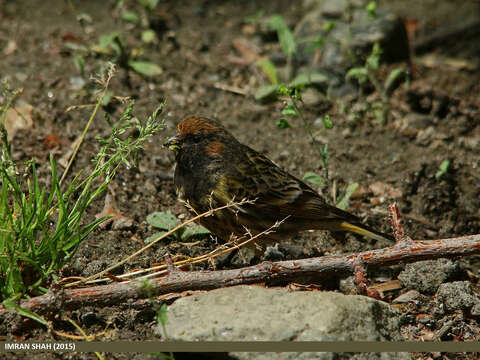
pixel 196 134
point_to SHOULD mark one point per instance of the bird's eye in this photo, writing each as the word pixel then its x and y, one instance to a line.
pixel 196 139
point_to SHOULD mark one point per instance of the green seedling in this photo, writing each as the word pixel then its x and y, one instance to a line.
pixel 284 34
pixel 162 318
pixel 165 221
pixel 371 8
pixel 367 73
pixel 283 123
pixel 130 16
pixel 344 199
pixel 313 179
pixel 292 109
pixel 442 169
pixel 285 38
pixel 149 5
pixel 316 42
pixel 113 45
pixel 269 69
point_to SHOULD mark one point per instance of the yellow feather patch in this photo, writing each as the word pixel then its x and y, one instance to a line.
pixel 358 230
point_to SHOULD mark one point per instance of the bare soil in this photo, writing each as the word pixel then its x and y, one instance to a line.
pixel 434 118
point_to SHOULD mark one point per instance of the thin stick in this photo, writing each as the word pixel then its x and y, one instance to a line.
pixel 94 113
pixel 123 261
pixel 319 267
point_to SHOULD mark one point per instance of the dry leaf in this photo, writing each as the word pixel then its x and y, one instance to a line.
pixel 10 48
pixel 247 49
pixel 388 286
pixel 118 220
pixel 18 118
pixel 51 141
pixel 63 161
pixel 382 191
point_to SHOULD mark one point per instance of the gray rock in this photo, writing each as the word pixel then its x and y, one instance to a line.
pixel 418 121
pixel 457 295
pixel 353 33
pixel 333 9
pixel 253 313
pixel 347 286
pixel 475 311
pixel 319 356
pixel 426 276
pixel 409 296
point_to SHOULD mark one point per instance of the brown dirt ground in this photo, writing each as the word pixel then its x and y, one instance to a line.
pixel 194 43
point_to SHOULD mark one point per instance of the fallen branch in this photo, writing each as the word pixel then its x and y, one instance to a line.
pixel 266 272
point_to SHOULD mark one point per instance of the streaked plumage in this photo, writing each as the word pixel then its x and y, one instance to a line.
pixel 214 169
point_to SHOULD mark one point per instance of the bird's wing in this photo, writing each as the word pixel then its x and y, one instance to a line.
pixel 275 192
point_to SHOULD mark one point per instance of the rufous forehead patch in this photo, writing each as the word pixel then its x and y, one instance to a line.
pixel 197 125
pixel 214 148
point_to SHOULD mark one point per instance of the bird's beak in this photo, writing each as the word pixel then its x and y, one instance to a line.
pixel 173 144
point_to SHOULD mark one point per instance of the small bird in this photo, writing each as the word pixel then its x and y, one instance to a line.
pixel 214 169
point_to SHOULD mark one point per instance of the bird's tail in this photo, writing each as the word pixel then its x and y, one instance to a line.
pixel 359 229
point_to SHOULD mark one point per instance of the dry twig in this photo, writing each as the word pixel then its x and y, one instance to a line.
pixel 266 272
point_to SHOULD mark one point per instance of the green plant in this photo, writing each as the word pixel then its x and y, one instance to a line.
pixel 162 318
pixel 289 47
pixel 366 73
pixel 165 221
pixel 293 108
pixel 113 45
pixel 41 227
pixel 139 15
pixel 442 169
pixel 284 34
pixel 344 198
pixel 371 8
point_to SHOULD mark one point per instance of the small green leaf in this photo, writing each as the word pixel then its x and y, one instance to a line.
pixel 269 69
pixel 372 9
pixel 145 68
pixel 309 79
pixel 327 122
pixel 283 124
pixel 149 36
pixel 79 62
pixel 14 307
pixel 394 76
pixel 163 220
pixel 379 112
pixel 162 314
pixel 289 110
pixel 373 60
pixel 149 4
pixel 194 230
pixel 442 169
pixel 313 178
pixel 328 26
pixel 266 93
pixel 285 36
pixel 130 16
pixel 154 237
pixel 106 99
pixel 282 90
pixel 108 44
pixel 316 44
pixel 344 199
pixel 298 92
pixel 359 73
